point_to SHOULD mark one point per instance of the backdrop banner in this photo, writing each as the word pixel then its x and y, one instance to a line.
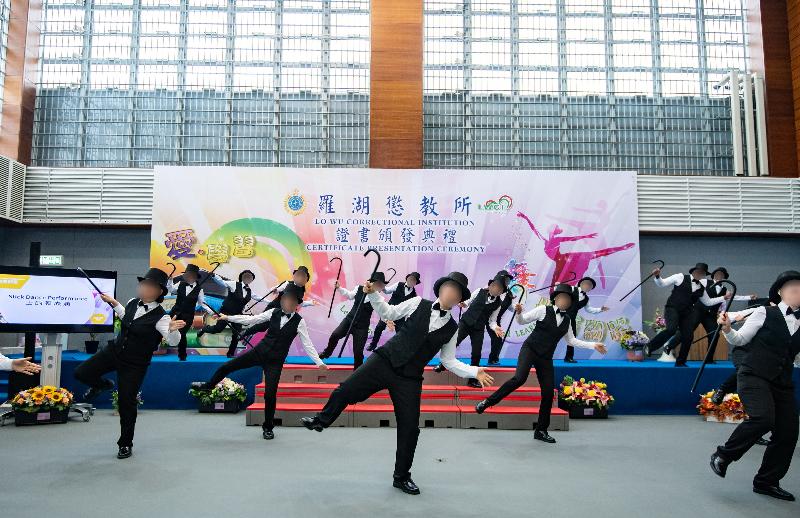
pixel 539 225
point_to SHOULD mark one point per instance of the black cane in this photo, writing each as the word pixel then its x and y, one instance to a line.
pixel 91 282
pixel 339 273
pixel 710 351
pixel 643 280
pixel 174 267
pixel 361 302
pixel 514 312
pixel 574 276
pixel 254 304
pixel 394 272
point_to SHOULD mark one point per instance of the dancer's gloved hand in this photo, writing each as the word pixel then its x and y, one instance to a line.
pixel 484 378
pixel 175 324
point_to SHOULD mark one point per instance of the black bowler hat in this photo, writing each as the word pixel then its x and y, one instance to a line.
pixel 783 278
pixel 458 278
pixel 244 272
pixel 503 277
pixel 699 266
pixel 561 288
pixel 304 270
pixel 720 269
pixel 192 268
pixel 293 290
pixel 415 275
pixel 378 277
pixel 157 276
pixel 594 284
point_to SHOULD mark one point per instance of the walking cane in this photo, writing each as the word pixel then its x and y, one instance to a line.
pixel 710 351
pixel 333 295
pixel 574 276
pixel 513 313
pixel 394 272
pixel 254 304
pixel 643 280
pixel 81 270
pixel 174 267
pixel 360 302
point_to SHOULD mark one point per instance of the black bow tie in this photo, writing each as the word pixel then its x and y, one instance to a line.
pixel 143 304
pixel 795 313
pixel 696 281
pixel 287 315
pixel 437 307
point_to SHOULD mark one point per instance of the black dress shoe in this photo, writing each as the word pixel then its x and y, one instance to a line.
pixel 681 364
pixel 268 435
pixel 406 486
pixel 482 406
pixel 719 465
pixel 493 362
pixel 230 355
pixel 324 355
pixel 762 442
pixel 91 394
pixel 439 368
pixel 200 333
pixel 717 397
pixel 181 358
pixel 472 382
pixel 371 347
pixel 570 360
pixel 312 423
pixel 543 436
pixel 774 492
pixel 124 452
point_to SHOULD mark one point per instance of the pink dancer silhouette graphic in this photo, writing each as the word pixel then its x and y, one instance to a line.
pixel 566 262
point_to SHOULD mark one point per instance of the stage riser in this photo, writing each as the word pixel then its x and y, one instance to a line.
pixel 430 377
pixel 511 422
pixel 523 401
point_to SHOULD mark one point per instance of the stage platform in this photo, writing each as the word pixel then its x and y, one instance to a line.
pixel 648 387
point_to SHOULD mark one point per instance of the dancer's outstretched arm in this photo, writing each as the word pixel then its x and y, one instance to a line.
pixel 308 346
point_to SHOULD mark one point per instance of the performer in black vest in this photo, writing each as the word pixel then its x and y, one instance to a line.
pixel 239 294
pixel 552 324
pixel 678 311
pixel 507 299
pixel 188 294
pixel 399 365
pixel 300 278
pixel 144 324
pixel 270 353
pixel 358 317
pixel 580 300
pixel 400 292
pixel 771 345
pixel 483 308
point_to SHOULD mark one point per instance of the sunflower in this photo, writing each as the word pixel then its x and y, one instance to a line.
pixel 48 389
pixel 56 397
pixel 37 394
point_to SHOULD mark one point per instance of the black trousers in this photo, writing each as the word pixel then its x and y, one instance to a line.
pixel 769 406
pixel 682 321
pixel 544 373
pixel 475 335
pixel 729 385
pixel 375 375
pixel 256 357
pixel 189 319
pixel 359 334
pixel 570 354
pixel 129 381
pixel 497 344
pixel 220 326
pixel 376 334
pixel 709 322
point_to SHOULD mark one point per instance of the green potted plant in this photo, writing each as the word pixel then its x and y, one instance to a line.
pixel 227 396
pixel 115 401
pixel 91 344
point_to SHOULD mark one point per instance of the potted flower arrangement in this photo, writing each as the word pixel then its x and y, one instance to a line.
pixel 41 405
pixel 115 401
pixel 584 399
pixel 730 410
pixel 659 323
pixel 227 396
pixel 633 342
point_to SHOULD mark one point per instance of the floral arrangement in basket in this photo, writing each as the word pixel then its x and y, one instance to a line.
pixel 730 410
pixel 584 393
pixel 659 323
pixel 42 399
pixel 115 400
pixel 631 339
pixel 225 390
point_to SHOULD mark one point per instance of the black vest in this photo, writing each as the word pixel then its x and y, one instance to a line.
pixel 577 304
pixel 712 293
pixel 410 350
pixel 276 302
pixel 771 352
pixel 545 336
pixel 682 296
pixel 236 300
pixel 138 338
pixel 276 343
pixel 398 297
pixel 478 312
pixel 504 305
pixel 185 302
pixel 364 314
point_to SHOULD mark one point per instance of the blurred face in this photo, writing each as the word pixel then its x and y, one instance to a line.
pixel 496 289
pixel 378 286
pixel 562 301
pixel 190 278
pixel 247 278
pixel 449 294
pixel 300 278
pixel 411 281
pixel 719 276
pixel 698 274
pixel 289 304
pixel 587 286
pixel 148 290
pixel 790 294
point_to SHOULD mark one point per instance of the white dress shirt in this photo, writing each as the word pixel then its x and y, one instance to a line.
pixel 231 287
pixel 489 299
pixel 588 309
pixel 350 294
pixel 302 330
pixel 201 299
pixel 279 289
pixel 405 309
pixel 5 363
pixel 393 287
pixel 538 313
pixel 677 279
pixel 755 321
pixel 742 298
pixel 162 326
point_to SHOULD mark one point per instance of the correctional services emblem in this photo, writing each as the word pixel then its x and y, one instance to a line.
pixel 294 203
